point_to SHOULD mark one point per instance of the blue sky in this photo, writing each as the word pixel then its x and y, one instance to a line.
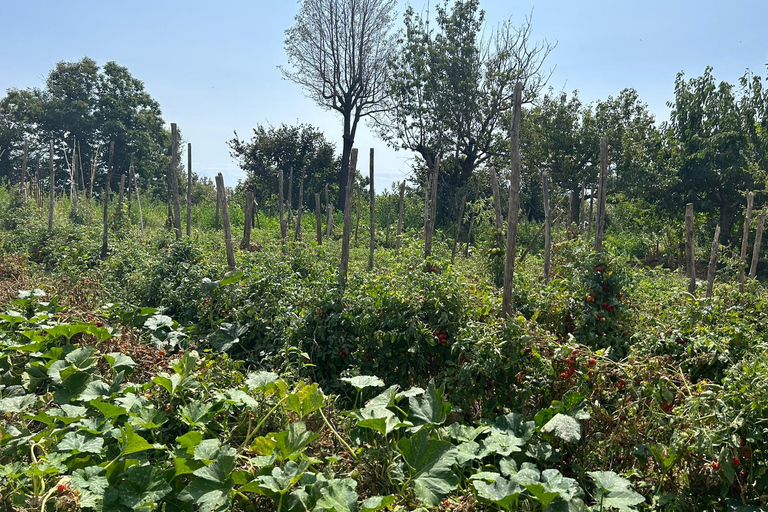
pixel 213 66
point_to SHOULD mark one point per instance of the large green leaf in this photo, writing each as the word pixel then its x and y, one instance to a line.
pixel 17 404
pixel 287 444
pixel 429 409
pixel 337 496
pixel 499 443
pixel 214 487
pixel 501 492
pixel 197 413
pixel 142 486
pixel 380 419
pixel 92 478
pixel 134 443
pixel 565 427
pixel 75 442
pixel 430 464
pixel 307 399
pixel 376 503
pixel 363 381
pixel 614 491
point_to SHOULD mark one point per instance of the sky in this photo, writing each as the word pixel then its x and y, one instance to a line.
pixel 214 67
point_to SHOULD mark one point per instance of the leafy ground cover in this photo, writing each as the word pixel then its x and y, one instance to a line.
pixel 156 380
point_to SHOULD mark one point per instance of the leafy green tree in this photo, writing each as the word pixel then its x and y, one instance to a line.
pixel 338 50
pixel 286 147
pixel 710 126
pixel 451 87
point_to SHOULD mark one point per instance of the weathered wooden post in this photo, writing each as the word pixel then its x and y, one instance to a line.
pixel 756 248
pixel 590 221
pixel 347 229
pixel 105 199
pixel 582 208
pixel 94 168
pixel 357 209
pixel 514 204
pixel 329 214
pixel 221 193
pixel 745 240
pixel 318 219
pixel 52 188
pixel 300 209
pixel 389 219
pixel 189 190
pixel 690 257
pixel 132 173
pixel 547 225
pixel 458 227
pixel 281 198
pixel 216 219
pixel 23 184
pixel 432 213
pixel 399 238
pixel 713 262
pixel 496 201
pixel 569 217
pixel 600 221
pixel 174 181
pixel 373 214
pixel 80 168
pixel 290 196
pixel 73 180
pixel 246 242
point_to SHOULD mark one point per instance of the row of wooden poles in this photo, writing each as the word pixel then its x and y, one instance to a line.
pixel 690 259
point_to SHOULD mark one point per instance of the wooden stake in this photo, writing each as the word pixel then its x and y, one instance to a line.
pixel 458 227
pixel 290 196
pixel 283 222
pixel 347 230
pixel 690 258
pixel 52 188
pixel 581 208
pixel 105 199
pixel 189 191
pixel 399 239
pixel 713 262
pixel 216 222
pixel 329 214
pixel 547 225
pixel 136 187
pixel 318 219
pixel 23 184
pixel 301 204
pixel 496 201
pixel 357 203
pixel 94 167
pixel 590 221
pixel 73 179
pixel 430 231
pixel 514 204
pixel 221 193
pixel 247 224
pixel 745 241
pixel 600 222
pixel 389 218
pixel 373 214
pixel 174 181
pixel 756 247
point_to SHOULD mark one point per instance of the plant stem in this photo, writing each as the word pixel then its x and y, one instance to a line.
pixel 341 440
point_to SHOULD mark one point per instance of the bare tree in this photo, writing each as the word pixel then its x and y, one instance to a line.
pixel 338 52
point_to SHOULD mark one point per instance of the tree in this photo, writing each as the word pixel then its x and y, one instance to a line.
pixel 89 106
pixel 338 51
pixel 450 89
pixel 299 147
pixel 710 126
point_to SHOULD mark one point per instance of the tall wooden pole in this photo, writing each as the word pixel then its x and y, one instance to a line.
pixel 745 240
pixel 52 188
pixel 347 232
pixel 105 199
pixel 713 262
pixel 600 221
pixel 690 258
pixel 399 238
pixel 329 213
pixel 514 204
pixel 290 196
pixel 318 219
pixel 281 207
pixel 174 180
pixel 389 219
pixel 73 179
pixel 300 209
pixel 581 208
pixel 247 224
pixel 432 213
pixel 189 190
pixel 458 227
pixel 132 172
pixel 756 247
pixel 373 214
pixel 221 192
pixel 547 225
pixel 23 184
